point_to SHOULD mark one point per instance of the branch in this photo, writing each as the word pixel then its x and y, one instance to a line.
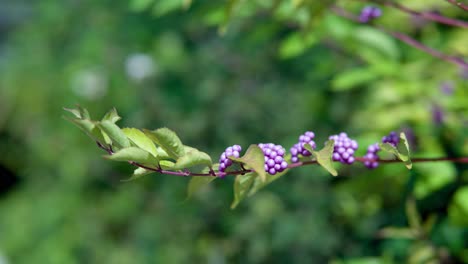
pixel 428 15
pixel 243 171
pixel 407 39
pixel 460 5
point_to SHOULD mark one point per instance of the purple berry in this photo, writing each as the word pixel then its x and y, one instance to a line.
pixel 298 148
pixel 224 161
pixel 344 148
pixel 274 158
pixel 392 139
pixel 369 13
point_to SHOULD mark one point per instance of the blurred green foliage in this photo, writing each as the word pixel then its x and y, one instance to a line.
pixel 278 68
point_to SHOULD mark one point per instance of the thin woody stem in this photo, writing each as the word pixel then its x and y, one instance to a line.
pixel 426 15
pixel 459 4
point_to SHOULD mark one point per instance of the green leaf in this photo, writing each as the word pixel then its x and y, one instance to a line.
pixel 115 133
pixel 166 164
pixel 141 140
pixel 79 112
pixel 74 111
pixel 193 157
pixel 259 184
pixel 374 38
pixel 324 156
pixel 138 173
pixel 398 233
pixel 352 78
pixel 168 141
pixel 89 127
pixel 458 209
pixel 402 155
pixel 134 154
pixel 197 183
pixel 295 44
pixel 255 159
pixel 111 116
pixel 140 5
pixel 414 219
pixel 242 186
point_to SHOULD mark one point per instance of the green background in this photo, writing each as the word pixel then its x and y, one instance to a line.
pixel 221 73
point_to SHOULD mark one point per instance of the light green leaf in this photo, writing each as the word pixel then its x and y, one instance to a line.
pixel 138 173
pixel 140 5
pixel 295 44
pixel 197 183
pixel 115 133
pixel 377 40
pixel 168 141
pixel 141 140
pixel 402 155
pixel 254 159
pixel 352 78
pixel 324 156
pixel 134 154
pixel 111 116
pixel 166 164
pixel 74 111
pixel 89 127
pixel 193 157
pixel 242 186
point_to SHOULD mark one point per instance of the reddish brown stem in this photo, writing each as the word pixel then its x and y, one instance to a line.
pixel 459 4
pixel 408 40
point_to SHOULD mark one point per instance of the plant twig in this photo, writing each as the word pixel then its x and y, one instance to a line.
pixel 407 39
pixel 459 4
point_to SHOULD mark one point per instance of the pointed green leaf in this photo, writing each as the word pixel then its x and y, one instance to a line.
pixel 193 157
pixel 111 116
pixel 115 133
pixel 197 183
pixel 74 111
pixel 324 156
pixel 138 173
pixel 255 159
pixel 402 155
pixel 141 140
pixel 168 141
pixel 134 154
pixel 242 186
pixel 79 112
pixel 89 127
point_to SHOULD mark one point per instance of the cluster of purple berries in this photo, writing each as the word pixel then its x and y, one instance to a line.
pixel 392 138
pixel 369 13
pixel 224 161
pixel 274 158
pixel 298 148
pixel 372 150
pixel 344 148
pixel 372 155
